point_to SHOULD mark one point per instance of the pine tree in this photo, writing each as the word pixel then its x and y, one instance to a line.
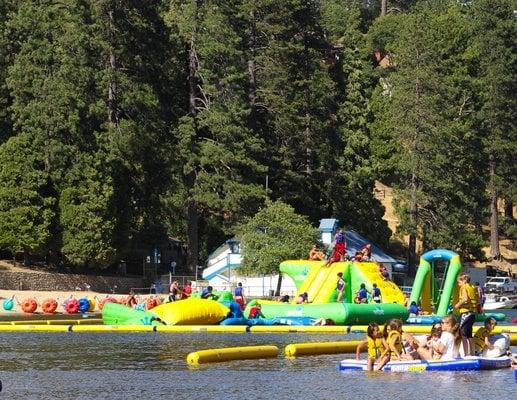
pixel 493 40
pixel 215 147
pixel 426 110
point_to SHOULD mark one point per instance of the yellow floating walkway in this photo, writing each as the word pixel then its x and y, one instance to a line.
pixel 232 353
pixel 318 348
pixel 83 321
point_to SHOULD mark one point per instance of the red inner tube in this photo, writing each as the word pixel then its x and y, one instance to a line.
pixel 72 306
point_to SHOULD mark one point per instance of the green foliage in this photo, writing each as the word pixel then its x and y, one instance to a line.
pixel 276 233
pixel 86 214
pixel 123 123
pixel 26 202
pixel 425 113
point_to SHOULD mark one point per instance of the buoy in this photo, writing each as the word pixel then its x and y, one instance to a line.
pixel 107 300
pixel 84 305
pixel 29 306
pixel 232 353
pixel 71 306
pixel 8 304
pixel 92 303
pixel 49 306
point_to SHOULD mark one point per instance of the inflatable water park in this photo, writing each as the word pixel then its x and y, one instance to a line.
pixel 316 280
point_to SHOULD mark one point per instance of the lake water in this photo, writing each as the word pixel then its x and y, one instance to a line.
pixel 152 365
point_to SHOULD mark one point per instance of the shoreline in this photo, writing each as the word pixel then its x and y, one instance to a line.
pixel 59 296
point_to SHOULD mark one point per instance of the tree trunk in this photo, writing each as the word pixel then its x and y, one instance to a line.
pixel 384 7
pixel 494 229
pixel 308 133
pixel 192 211
pixel 278 284
pixel 413 215
pixel 252 74
pixel 112 84
pixel 192 235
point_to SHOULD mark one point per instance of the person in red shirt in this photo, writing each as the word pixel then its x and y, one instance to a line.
pixel 187 290
pixel 256 312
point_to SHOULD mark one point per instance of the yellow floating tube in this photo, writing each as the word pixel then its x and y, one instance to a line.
pixel 298 329
pixel 201 328
pixel 112 328
pixel 54 322
pixel 35 328
pixel 232 353
pixel 317 348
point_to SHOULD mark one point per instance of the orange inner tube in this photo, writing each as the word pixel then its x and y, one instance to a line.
pixel 49 306
pixel 72 306
pixel 29 306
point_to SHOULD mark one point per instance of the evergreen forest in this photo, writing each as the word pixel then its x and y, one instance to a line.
pixel 127 122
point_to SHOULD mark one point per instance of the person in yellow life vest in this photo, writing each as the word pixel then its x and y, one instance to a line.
pixel 482 336
pixel 467 306
pixel 393 335
pixel 376 347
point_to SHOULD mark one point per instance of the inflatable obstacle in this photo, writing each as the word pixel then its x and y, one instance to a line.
pixel 191 312
pixel 340 313
pixel 460 364
pixel 118 314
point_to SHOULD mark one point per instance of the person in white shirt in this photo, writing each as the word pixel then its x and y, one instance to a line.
pixel 446 348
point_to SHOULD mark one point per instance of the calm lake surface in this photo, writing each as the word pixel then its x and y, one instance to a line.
pixel 153 366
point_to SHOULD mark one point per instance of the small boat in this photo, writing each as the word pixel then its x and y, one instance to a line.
pixel 495 302
pixel 459 364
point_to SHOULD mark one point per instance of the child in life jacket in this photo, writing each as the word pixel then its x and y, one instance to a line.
pixel 482 336
pixel 394 338
pixel 376 347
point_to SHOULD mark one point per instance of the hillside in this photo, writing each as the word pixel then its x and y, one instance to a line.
pixel 508 250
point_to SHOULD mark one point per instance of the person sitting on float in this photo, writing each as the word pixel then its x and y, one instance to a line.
pixel 446 348
pixel 256 312
pixel 316 254
pixel 302 298
pixel 414 310
pixel 131 300
pixel 366 252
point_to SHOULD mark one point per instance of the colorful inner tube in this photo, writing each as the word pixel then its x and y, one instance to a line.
pixel 72 306
pixel 49 306
pixel 29 306
pixel 84 305
pixel 8 304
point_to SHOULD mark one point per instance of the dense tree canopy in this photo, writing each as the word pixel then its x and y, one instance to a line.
pixel 128 122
